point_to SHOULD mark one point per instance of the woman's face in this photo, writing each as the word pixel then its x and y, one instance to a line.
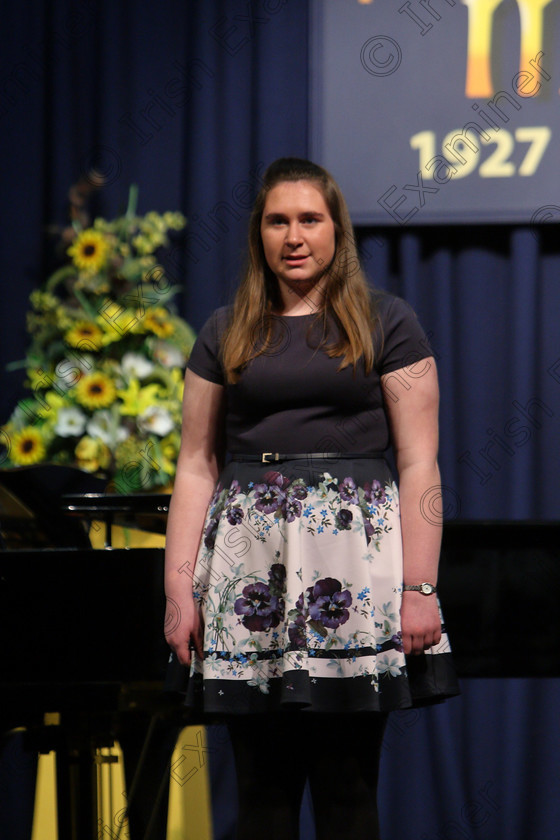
pixel 298 234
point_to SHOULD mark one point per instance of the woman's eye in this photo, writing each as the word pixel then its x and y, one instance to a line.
pixel 281 221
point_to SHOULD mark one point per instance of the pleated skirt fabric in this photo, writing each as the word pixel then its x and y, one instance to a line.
pixel 299 582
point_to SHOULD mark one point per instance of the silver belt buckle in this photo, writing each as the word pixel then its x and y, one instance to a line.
pixel 265 455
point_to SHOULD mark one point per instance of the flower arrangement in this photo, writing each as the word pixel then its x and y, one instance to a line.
pixel 106 361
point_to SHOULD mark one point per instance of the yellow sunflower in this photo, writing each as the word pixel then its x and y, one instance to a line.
pixel 96 390
pixel 89 251
pixel 157 321
pixel 27 447
pixel 84 331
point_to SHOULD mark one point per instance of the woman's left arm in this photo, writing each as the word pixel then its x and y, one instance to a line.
pixel 412 407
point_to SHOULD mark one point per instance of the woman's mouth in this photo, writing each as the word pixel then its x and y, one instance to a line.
pixel 296 260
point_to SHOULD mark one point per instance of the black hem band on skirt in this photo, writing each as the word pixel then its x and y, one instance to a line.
pixel 431 679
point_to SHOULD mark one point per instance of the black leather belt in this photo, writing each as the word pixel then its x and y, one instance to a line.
pixel 273 457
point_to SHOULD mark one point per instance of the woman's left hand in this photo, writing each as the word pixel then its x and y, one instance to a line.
pixel 420 621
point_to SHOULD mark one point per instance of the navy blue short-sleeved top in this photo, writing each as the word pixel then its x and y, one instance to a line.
pixel 293 399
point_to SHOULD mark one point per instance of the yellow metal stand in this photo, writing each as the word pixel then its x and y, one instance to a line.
pixel 189 792
pixel 44 821
pixel 189 795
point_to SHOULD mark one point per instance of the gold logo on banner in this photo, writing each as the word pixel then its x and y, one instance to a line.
pixel 480 33
pixel 481 19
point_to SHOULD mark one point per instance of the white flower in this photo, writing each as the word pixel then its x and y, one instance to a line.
pixel 133 364
pixel 102 425
pixel 68 371
pixel 261 683
pixel 157 420
pixel 384 666
pixel 85 362
pixel 168 354
pixel 65 382
pixel 70 422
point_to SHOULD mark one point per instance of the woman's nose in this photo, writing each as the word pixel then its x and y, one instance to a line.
pixel 293 233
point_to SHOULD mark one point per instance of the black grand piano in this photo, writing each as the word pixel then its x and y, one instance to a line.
pixel 82 630
pixel 82 636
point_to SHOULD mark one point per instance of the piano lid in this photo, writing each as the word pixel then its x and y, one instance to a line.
pixel 52 506
pixel 146 511
pixel 30 513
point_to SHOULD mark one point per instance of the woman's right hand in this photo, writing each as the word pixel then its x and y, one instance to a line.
pixel 198 467
pixel 183 627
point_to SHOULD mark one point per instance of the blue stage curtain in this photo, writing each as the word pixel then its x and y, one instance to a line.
pixel 488 298
pixel 480 767
pixel 191 101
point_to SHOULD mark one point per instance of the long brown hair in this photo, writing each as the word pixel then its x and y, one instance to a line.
pixel 347 297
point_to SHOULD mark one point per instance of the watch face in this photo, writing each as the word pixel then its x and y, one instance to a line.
pixel 427 588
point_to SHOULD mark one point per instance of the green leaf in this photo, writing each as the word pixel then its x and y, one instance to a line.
pixel 60 275
pixel 92 313
pixel 132 201
pixel 170 293
pixel 22 363
pixel 318 627
pixel 55 349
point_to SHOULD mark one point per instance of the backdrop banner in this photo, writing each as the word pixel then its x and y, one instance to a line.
pixel 438 111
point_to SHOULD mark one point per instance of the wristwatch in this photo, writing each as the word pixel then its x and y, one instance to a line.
pixel 424 588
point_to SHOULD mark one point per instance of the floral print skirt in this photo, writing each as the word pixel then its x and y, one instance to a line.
pixel 299 581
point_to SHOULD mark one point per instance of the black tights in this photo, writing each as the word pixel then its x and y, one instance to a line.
pixel 275 754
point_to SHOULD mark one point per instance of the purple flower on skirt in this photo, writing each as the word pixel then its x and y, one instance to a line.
pixel 216 495
pixel 397 642
pixel 260 609
pixel 369 529
pixel 291 508
pixel 234 515
pixel 298 490
pixel 268 497
pixel 234 490
pixel 374 493
pixel 328 604
pixel 296 632
pixel 210 533
pixel 275 477
pixel 277 578
pixel 348 490
pixel 343 519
